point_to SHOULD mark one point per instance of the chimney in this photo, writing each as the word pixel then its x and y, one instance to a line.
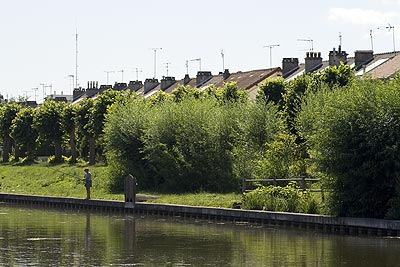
pixel 202 77
pixel 313 61
pixel 289 65
pixel 166 82
pixel 103 88
pixel 120 86
pixel 363 57
pixel 135 85
pixel 77 93
pixel 335 57
pixel 150 84
pixel 91 92
pixel 226 74
pixel 186 80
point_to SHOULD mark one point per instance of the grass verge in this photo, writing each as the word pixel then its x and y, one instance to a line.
pixel 65 180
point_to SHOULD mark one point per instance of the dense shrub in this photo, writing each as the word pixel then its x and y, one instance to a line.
pixel 277 198
pixel 48 123
pixel 272 90
pixel 353 134
pixel 282 159
pixel 189 145
pixel 24 134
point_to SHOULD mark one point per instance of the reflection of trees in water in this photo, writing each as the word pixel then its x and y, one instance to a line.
pixel 48 238
pixel 366 251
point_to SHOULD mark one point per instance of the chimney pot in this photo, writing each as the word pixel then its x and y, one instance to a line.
pixel 226 74
pixel 150 84
pixel 166 82
pixel 186 79
pixel 289 65
pixel 203 77
pixel 312 61
pixel 363 57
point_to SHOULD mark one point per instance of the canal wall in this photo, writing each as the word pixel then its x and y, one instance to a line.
pixel 340 225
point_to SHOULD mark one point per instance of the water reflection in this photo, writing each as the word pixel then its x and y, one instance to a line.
pixel 34 237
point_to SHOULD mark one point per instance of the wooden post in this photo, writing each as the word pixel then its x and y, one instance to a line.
pixel 243 185
pixel 303 183
pixel 130 191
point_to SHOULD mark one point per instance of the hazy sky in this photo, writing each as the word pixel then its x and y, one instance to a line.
pixel 38 37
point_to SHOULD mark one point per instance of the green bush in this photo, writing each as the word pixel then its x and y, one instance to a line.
pixel 353 136
pixel 272 90
pixel 194 144
pixel 282 159
pixel 277 198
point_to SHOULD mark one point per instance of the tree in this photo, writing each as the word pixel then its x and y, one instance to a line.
pixel 232 93
pixel 82 116
pixel 353 138
pixel 96 120
pixel 182 92
pixel 7 114
pixel 48 121
pixel 337 76
pixel 272 90
pixel 292 98
pixel 23 133
pixel 69 124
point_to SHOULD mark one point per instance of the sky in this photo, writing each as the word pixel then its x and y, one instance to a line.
pixel 38 38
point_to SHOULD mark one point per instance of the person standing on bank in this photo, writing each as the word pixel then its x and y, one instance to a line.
pixel 87 178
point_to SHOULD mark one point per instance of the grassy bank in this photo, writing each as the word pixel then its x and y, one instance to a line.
pixel 54 180
pixel 67 181
pixel 200 199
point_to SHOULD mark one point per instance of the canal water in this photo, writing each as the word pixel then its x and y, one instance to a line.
pixel 45 237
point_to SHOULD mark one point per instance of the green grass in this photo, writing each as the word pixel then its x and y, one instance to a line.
pixel 54 180
pixel 200 199
pixel 67 181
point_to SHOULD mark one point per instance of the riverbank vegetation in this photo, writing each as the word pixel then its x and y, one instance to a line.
pixel 328 125
pixel 65 180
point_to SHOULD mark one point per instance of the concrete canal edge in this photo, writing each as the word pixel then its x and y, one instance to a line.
pixel 341 225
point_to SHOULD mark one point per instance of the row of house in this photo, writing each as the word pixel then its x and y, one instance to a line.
pixel 364 62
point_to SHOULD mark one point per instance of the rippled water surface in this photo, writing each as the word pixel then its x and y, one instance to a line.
pixel 39 237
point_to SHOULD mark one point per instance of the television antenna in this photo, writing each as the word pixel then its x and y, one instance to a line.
pixel 137 70
pixel 122 75
pixel 108 73
pixel 72 77
pixel 167 66
pixel 223 60
pixel 372 39
pixel 76 58
pixel 187 67
pixel 199 60
pixel 44 90
pixel 35 92
pixel 270 52
pixel 390 28
pixel 310 41
pixel 155 58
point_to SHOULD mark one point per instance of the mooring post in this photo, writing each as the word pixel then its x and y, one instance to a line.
pixel 130 191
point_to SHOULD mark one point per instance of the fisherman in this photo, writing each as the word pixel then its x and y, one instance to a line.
pixel 87 178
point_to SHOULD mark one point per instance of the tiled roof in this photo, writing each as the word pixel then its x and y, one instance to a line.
pixel 191 83
pixel 387 69
pixel 383 65
pixel 247 80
